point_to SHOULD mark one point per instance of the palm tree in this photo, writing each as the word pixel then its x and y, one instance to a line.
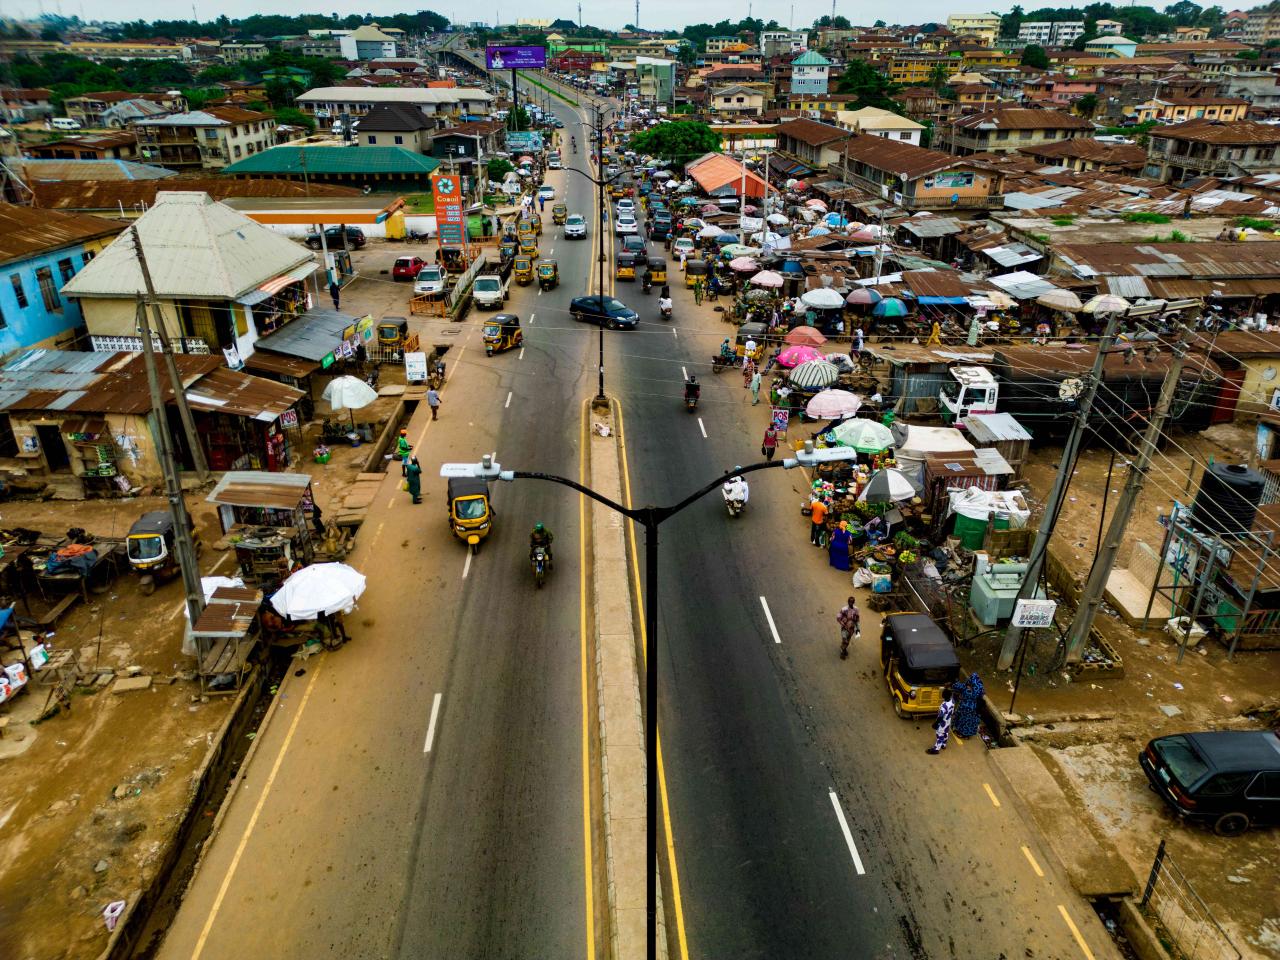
pixel 938 75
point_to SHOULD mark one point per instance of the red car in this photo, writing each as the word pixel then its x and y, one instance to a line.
pixel 406 268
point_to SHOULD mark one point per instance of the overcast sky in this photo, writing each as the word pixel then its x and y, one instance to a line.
pixel 610 14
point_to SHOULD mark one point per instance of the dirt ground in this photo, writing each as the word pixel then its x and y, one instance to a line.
pixel 1090 730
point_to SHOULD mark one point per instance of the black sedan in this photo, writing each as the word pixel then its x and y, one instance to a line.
pixel 611 312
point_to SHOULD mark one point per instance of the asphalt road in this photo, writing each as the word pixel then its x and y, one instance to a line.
pixel 374 823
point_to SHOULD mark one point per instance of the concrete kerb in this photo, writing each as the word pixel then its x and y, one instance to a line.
pixel 621 726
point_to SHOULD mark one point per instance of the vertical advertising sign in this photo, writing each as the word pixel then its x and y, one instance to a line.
pixel 447 188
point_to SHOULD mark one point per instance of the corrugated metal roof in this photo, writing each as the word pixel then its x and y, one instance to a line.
pixel 1127 287
pixel 195 247
pixel 29 170
pixel 1012 254
pixel 312 336
pixel 25 231
pixel 932 226
pixel 335 160
pixel 257 488
pixel 1022 285
pixel 994 427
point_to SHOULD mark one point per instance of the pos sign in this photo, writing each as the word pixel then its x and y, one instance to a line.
pixel 447 188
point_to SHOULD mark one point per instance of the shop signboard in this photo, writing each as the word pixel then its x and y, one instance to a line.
pixel 1034 613
pixel 524 141
pixel 447 188
pixel 415 367
pixel 515 58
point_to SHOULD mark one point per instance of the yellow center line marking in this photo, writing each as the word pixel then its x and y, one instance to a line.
pixel 584 448
pixel 992 794
pixel 257 811
pixel 677 902
pixel 1075 932
pixel 1026 852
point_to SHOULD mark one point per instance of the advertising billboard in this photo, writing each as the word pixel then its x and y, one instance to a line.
pixel 515 58
pixel 524 141
pixel 447 188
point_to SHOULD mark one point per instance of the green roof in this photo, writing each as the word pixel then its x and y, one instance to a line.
pixel 810 59
pixel 331 160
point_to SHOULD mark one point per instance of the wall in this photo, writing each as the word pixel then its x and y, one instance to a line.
pixel 132 435
pixel 981 186
pixel 34 325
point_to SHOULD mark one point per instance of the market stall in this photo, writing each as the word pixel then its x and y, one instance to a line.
pixel 265 518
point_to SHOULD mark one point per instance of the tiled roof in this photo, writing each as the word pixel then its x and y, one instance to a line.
pixel 1087 148
pixel 26 231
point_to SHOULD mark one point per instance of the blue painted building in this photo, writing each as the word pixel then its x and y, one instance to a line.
pixel 40 250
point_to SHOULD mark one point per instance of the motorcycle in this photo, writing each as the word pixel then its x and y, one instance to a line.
pixel 664 312
pixel 690 402
pixel 646 285
pixel 719 363
pixel 539 564
pixel 734 499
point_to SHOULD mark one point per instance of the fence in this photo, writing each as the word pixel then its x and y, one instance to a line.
pixel 1183 921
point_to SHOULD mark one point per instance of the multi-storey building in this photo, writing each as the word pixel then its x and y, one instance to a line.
pixel 809 73
pixel 1261 25
pixel 208 139
pixel 1006 129
pixel 985 26
pixel 1211 148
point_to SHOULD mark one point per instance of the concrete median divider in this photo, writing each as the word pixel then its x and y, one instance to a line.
pixel 621 726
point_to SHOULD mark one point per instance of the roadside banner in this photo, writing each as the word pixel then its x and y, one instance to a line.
pixel 515 58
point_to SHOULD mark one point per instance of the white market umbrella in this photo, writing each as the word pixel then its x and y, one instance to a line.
pixel 321 588
pixel 765 237
pixel 833 404
pixel 709 231
pixel 349 393
pixel 887 486
pixel 767 278
pixel 1106 303
pixel 865 436
pixel 823 298
pixel 813 375
pixel 1063 300
pixel 777 219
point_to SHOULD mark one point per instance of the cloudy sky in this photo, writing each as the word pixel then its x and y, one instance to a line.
pixel 612 14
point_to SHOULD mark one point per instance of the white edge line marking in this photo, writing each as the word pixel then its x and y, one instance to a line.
pixel 521 357
pixel 848 836
pixel 534 316
pixel 768 615
pixel 508 403
pixel 703 428
pixel 466 567
pixel 674 334
pixel 431 726
pixel 684 373
pixel 182 606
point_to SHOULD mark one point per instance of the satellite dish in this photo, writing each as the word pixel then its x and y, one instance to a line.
pixel 1070 388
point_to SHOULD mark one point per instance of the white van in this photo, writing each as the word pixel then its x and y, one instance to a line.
pixel 64 123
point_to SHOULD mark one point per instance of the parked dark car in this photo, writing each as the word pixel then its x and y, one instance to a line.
pixel 333 238
pixel 1229 779
pixel 611 312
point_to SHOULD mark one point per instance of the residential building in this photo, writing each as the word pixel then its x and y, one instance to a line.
pixel 915 70
pixel 1177 109
pixel 880 123
pixel 974 97
pixel 811 143
pixel 1109 47
pixel 775 43
pixel 985 26
pixel 22 175
pixel 209 139
pixel 1065 32
pixel 738 100
pixel 1006 129
pixel 242 52
pixel 130 199
pixel 378 168
pixel 326 103
pixel 914 178
pixel 1058 33
pixel 323 48
pixel 474 141
pixel 40 250
pixel 1086 154
pixel 1261 25
pixel 91 109
pixel 1260 87
pixel 368 43
pixel 720 44
pixel 396 125
pixel 1058 89
pixel 816 103
pixel 97 50
pixel 655 78
pixel 122 145
pixel 20 104
pixel 809 73
pixel 1211 148
pixel 982 58
pixel 1187 50
pixel 1108 28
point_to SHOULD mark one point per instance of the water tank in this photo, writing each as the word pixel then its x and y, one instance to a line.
pixel 1228 498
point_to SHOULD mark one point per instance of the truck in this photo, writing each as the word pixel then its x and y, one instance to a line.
pixel 1041 387
pixel 489 291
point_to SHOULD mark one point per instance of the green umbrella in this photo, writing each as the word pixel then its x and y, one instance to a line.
pixel 865 436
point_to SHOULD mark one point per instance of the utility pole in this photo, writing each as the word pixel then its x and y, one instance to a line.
pixel 1096 585
pixel 1013 636
pixel 600 230
pixel 171 365
pixel 183 545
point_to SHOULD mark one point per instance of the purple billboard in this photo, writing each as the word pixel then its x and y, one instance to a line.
pixel 515 58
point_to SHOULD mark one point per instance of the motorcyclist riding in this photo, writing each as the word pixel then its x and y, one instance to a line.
pixel 726 350
pixel 573 142
pixel 736 489
pixel 664 306
pixel 692 389
pixel 540 536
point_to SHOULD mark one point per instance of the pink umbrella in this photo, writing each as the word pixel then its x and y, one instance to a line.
pixel 749 208
pixel 795 355
pixel 710 208
pixel 816 204
pixel 767 278
pixel 805 335
pixel 743 264
pixel 865 235
pixel 864 296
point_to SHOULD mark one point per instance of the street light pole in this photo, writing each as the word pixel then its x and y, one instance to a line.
pixel 650 518
pixel 599 153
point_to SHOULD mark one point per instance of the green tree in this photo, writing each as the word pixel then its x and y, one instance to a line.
pixel 1079 42
pixel 1034 55
pixel 281 93
pixel 678 142
pixel 217 74
pixel 1011 22
pixel 497 168
pixel 1086 105
pixel 939 73
pixel 294 118
pixel 871 87
pixel 1248 55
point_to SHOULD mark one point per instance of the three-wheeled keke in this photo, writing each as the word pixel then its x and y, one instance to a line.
pixel 150 545
pixel 656 268
pixel 507 249
pixel 453 258
pixel 548 274
pixel 392 332
pixel 694 270
pixel 559 214
pixel 470 514
pixel 502 332
pixel 528 245
pixel 918 661
pixel 522 269
pixel 625 268
pixel 751 331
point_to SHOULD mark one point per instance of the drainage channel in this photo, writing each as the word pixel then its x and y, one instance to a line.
pixel 151 935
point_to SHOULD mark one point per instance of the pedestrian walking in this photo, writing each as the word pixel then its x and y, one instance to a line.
pixel 697 291
pixel 850 621
pixel 769 446
pixel 755 388
pixel 433 401
pixel 682 259
pixel 942 722
pixel 413 479
pixel 335 292
pixel 857 341
pixel 969 693
pixel 748 368
pixel 818 514
pixel 542 203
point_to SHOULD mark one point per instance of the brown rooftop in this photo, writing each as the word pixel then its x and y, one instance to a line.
pixel 25 231
pixel 811 132
pixel 1220 132
pixel 112 194
pixel 894 156
pixel 1022 118
pixel 1087 148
